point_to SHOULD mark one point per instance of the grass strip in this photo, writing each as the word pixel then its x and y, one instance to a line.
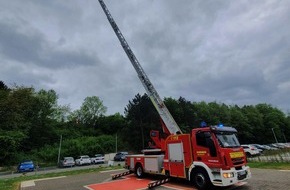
pixel 270 165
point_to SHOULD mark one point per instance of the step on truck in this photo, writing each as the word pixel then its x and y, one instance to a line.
pixel 209 155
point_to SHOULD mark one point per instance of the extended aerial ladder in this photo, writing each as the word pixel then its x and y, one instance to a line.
pixel 165 115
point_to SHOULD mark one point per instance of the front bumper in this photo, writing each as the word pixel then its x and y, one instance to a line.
pixel 25 169
pixel 231 177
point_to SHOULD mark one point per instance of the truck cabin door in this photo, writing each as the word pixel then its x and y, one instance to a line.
pixel 205 150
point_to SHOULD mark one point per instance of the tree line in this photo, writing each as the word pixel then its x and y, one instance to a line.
pixel 32 124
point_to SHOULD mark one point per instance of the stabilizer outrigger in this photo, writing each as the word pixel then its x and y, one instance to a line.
pixel 158 183
pixel 115 176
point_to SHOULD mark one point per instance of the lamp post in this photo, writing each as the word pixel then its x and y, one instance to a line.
pixel 116 142
pixel 274 135
pixel 284 136
pixel 59 149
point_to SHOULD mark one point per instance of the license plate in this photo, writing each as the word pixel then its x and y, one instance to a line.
pixel 242 172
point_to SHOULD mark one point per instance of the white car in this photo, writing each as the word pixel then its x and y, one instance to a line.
pixel 83 160
pixel 98 159
pixel 250 150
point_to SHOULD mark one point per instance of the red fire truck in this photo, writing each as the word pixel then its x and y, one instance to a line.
pixel 209 155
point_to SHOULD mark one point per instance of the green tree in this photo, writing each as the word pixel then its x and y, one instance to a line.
pixel 182 111
pixel 142 117
pixel 202 113
pixel 91 109
pixel 111 124
pixel 3 86
pixel 286 130
pixel 18 111
pixel 274 120
pixel 50 108
pixel 10 143
pixel 239 121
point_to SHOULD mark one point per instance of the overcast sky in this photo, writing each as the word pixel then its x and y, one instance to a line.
pixel 233 52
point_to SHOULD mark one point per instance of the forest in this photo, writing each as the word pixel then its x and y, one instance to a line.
pixel 32 124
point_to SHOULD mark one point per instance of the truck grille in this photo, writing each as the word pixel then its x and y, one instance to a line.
pixel 238 161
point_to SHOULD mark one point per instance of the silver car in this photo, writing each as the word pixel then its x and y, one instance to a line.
pixel 67 162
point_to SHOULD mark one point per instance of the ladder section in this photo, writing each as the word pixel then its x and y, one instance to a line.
pixel 170 123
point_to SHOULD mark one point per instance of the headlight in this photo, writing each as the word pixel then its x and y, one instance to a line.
pixel 228 175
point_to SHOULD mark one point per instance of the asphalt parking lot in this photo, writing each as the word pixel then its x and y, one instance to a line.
pixel 262 179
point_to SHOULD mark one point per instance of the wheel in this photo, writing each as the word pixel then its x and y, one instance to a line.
pixel 139 171
pixel 201 180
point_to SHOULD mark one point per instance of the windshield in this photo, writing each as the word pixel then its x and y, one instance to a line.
pixel 27 162
pixel 228 140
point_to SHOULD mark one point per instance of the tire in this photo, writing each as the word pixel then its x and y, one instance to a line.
pixel 139 171
pixel 201 180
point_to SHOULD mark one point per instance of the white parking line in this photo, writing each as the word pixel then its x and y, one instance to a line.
pixel 27 184
pixel 31 183
pixel 111 171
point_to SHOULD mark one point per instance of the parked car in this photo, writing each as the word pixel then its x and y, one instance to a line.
pixel 67 162
pixel 98 159
pixel 83 160
pixel 26 166
pixel 281 145
pixel 287 145
pixel 120 156
pixel 266 147
pixel 250 150
pixel 273 146
pixel 259 147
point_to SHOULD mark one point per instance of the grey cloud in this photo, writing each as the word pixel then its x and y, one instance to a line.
pixel 33 48
pixel 60 59
pixel 18 46
pixel 226 51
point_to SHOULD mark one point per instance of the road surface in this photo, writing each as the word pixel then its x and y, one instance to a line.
pixel 262 179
